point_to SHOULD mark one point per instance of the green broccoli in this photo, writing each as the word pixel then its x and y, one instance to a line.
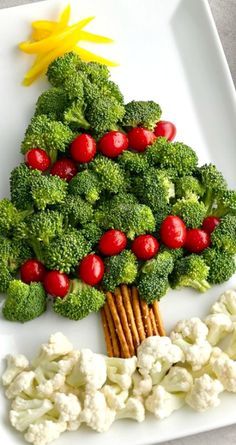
pixel 175 253
pixel 76 211
pixel 226 203
pixel 63 67
pixel 13 253
pixel 221 265
pixel 64 252
pixel 104 112
pixel 45 225
pixel 52 102
pixel 24 302
pixel 172 155
pixel 20 186
pixel 122 268
pixel 141 114
pixel 214 184
pixel 135 163
pixel 190 210
pixel 74 116
pixel 110 175
pixel 10 216
pixel 47 134
pixel 190 271
pixel 48 190
pixel 86 184
pixel 224 235
pixel 5 277
pixel 74 86
pixel 92 233
pixel 188 185
pixel 80 301
pixel 95 72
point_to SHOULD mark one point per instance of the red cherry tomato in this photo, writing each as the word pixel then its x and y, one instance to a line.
pixel 173 232
pixel 165 129
pixel 112 242
pixel 83 148
pixel 37 159
pixel 91 269
pixel 56 283
pixel 140 138
pixel 197 240
pixel 113 143
pixel 145 247
pixel 32 270
pixel 209 224
pixel 64 168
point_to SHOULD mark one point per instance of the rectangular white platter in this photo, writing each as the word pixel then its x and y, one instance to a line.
pixel 168 51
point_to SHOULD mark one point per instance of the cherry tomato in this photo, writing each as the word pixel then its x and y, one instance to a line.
pixel 91 269
pixel 64 168
pixel 113 143
pixel 32 270
pixel 56 283
pixel 37 159
pixel 209 224
pixel 112 242
pixel 165 129
pixel 83 148
pixel 140 138
pixel 145 247
pixel 173 232
pixel 197 240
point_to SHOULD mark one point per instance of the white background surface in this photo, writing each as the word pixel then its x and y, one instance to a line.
pixel 224 436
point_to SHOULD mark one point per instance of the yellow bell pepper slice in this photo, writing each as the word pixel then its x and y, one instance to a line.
pixel 64 17
pixel 88 56
pixel 47 25
pixel 95 38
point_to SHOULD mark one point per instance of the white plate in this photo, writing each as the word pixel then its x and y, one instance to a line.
pixel 169 51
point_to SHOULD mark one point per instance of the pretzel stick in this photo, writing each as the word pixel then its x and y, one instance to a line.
pixel 123 318
pixel 158 318
pixel 118 325
pixel 112 330
pixel 130 315
pixel 137 314
pixel 153 321
pixel 107 336
pixel 146 319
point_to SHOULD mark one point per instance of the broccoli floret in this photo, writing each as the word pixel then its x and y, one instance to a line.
pixel 48 190
pixel 80 301
pixel 163 264
pixel 154 188
pixel 110 174
pixel 5 277
pixel 175 253
pixel 10 216
pixel 221 265
pixel 133 162
pixel 95 72
pixel 214 184
pixel 63 67
pixel 104 112
pixel 13 253
pixel 76 211
pixel 141 114
pixel 226 203
pixel 20 185
pixel 188 185
pixel 92 233
pixel 74 86
pixel 24 301
pixel 119 269
pixel 74 116
pixel 190 210
pixel 86 184
pixel 47 134
pixel 224 235
pixel 190 271
pixel 52 102
pixel 65 251
pixel 172 155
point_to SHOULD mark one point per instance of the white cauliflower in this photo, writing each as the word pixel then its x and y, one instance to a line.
pixel 231 347
pixel 57 347
pixel 192 330
pixel 44 432
pixel 22 384
pixel 156 355
pixel 162 403
pixel 48 382
pixel 142 385
pixel 15 365
pixel 120 370
pixel 35 409
pixel 96 413
pixel 204 393
pixel 177 380
pixel 69 408
pixel 133 409
pixel 225 370
pixel 115 396
pixel 219 325
pixel 226 305
pixel 90 370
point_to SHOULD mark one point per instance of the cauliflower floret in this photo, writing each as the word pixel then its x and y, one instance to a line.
pixel 23 383
pixel 177 380
pixel 133 409
pixel 225 370
pixel 219 325
pixel 57 346
pixel 48 383
pixel 231 348
pixel 96 412
pixel 162 403
pixel 89 370
pixel 192 330
pixel 142 385
pixel 15 365
pixel 115 396
pixel 34 410
pixel 156 355
pixel 44 432
pixel 204 393
pixel 120 370
pixel 226 304
pixel 69 409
